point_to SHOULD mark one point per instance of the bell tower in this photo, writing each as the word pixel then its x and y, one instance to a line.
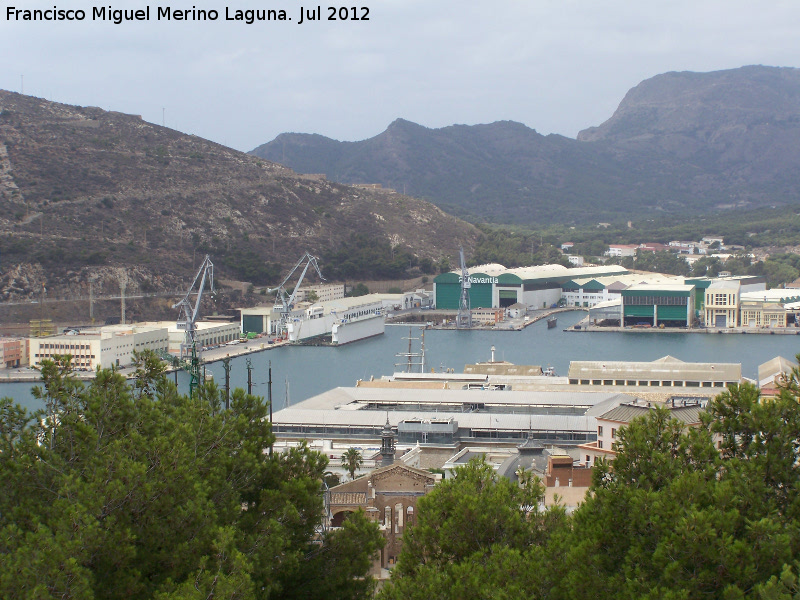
pixel 387 444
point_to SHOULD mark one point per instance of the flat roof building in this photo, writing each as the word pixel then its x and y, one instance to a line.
pixel 105 347
pixel 665 372
pixel 447 417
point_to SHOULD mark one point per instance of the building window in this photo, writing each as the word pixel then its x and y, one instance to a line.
pixel 613 433
pixel 599 430
pixel 600 444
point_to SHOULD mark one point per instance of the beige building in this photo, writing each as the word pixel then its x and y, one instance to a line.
pixel 105 347
pixel 610 422
pixel 324 292
pixel 722 303
pixel 668 372
pixel 487 316
pixel 13 352
pixel 755 313
pixel 208 333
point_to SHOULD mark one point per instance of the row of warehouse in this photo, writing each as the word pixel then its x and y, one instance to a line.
pixel 629 298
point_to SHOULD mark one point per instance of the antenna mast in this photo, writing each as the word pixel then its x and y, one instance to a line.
pixel 413 359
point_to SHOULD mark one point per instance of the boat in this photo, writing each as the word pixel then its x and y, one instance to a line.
pixel 551 321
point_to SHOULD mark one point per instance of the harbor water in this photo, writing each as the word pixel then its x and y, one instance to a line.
pixel 299 372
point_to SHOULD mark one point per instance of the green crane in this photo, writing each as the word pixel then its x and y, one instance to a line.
pixel 187 321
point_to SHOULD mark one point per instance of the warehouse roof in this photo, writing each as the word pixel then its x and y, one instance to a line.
pixel 667 286
pixel 781 296
pixel 359 398
pixel 667 368
pixel 778 365
pixel 476 420
pixel 625 413
pixel 533 273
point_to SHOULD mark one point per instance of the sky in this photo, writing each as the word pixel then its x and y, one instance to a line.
pixel 558 66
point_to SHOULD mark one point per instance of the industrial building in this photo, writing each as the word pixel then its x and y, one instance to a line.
pixel 495 286
pixel 664 372
pixel 670 305
pixel 105 347
pixel 447 417
pixel 733 302
pixel 586 292
pixel 13 352
pixel 324 292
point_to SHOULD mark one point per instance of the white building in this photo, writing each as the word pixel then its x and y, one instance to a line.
pixel 619 250
pixel 324 292
pixel 575 260
pixel 105 347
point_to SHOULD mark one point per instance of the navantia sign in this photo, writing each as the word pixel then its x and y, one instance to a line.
pixel 472 279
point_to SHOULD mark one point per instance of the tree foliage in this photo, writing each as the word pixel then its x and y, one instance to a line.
pixel 682 513
pixel 352 461
pixel 477 536
pixel 366 257
pixel 675 516
pixel 136 491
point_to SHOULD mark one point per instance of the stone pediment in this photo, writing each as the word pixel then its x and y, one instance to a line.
pixel 401 471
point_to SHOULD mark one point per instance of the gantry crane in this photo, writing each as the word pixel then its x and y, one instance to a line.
pixel 283 300
pixel 187 321
pixel 464 316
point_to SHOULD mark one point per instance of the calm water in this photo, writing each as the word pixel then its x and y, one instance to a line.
pixel 301 372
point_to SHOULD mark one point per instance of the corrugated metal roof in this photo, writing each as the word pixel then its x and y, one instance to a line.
pixel 668 286
pixel 625 413
pixel 477 421
pixel 337 398
pixel 768 370
pixel 667 368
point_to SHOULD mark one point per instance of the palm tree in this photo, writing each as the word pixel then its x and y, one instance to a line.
pixel 352 461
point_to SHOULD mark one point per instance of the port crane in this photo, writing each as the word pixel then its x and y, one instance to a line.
pixel 283 300
pixel 187 320
pixel 464 316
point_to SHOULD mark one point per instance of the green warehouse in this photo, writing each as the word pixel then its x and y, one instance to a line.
pixel 494 286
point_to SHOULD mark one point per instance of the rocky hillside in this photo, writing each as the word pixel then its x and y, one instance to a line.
pixel 499 172
pixel 85 192
pixel 679 143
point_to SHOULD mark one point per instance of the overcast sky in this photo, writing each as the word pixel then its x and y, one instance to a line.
pixel 558 66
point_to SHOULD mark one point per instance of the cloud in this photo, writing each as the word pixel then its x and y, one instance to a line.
pixel 557 66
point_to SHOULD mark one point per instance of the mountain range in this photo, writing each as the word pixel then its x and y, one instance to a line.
pixel 679 143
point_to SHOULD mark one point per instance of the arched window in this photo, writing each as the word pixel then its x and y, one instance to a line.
pixel 387 516
pixel 398 517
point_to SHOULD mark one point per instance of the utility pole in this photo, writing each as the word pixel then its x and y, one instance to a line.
pixel 91 300
pixel 249 376
pixel 269 401
pixel 123 283
pixel 226 364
